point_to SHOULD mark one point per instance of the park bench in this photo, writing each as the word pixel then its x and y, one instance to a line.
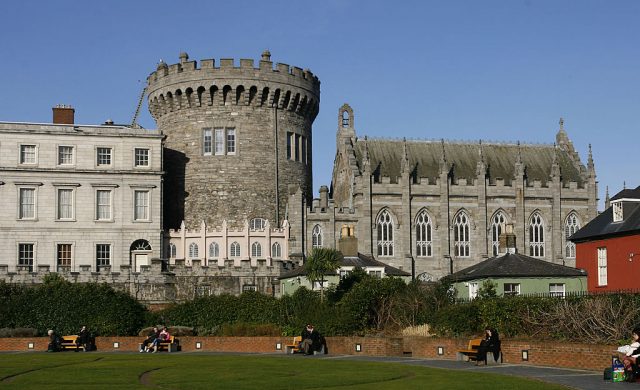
pixel 173 345
pixel 69 342
pixel 471 353
pixel 294 347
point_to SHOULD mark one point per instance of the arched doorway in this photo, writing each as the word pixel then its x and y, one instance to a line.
pixel 140 254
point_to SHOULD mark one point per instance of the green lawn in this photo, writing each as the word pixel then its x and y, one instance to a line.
pixel 194 371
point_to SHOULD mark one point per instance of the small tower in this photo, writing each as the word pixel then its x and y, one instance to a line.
pixel 346 131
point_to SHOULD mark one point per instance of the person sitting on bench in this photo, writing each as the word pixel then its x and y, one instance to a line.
pixel 163 337
pixel 148 342
pixel 54 342
pixel 310 340
pixel 490 343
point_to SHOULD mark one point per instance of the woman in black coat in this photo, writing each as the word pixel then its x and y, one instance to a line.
pixel 490 343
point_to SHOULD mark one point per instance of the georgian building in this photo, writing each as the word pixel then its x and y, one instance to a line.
pixel 435 207
pixel 77 196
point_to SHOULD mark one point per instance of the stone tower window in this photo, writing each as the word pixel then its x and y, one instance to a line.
pixel 193 250
pixel 316 237
pixel 256 249
pixel 497 227
pixel 385 234
pixel 214 250
pixel 345 119
pixel 207 142
pixel 276 250
pixel 461 235
pixel 172 250
pixel 234 249
pixel 231 141
pixel 571 226
pixel 257 224
pixel 536 235
pixel 424 241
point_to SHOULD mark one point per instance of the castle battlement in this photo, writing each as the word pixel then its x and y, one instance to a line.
pixel 186 85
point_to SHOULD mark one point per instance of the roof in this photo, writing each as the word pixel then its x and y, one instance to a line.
pixel 603 225
pixel 77 129
pixel 513 265
pixel 627 194
pixel 424 157
pixel 361 261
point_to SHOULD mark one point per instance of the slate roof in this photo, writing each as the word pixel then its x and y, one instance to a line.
pixel 424 157
pixel 603 225
pixel 513 265
pixel 361 261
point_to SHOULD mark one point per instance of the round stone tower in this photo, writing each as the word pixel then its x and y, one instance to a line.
pixel 237 138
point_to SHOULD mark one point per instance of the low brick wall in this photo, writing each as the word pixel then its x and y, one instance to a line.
pixel 555 354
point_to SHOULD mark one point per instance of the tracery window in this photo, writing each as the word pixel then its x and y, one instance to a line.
pixel 385 234
pixel 497 228
pixel 316 237
pixel 256 249
pixel 536 235
pixel 214 250
pixel 571 226
pixel 424 242
pixel 193 250
pixel 234 249
pixel 461 235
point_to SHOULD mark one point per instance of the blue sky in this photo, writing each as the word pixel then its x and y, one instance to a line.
pixel 492 70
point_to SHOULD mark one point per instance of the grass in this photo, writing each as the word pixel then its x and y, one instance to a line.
pixel 196 371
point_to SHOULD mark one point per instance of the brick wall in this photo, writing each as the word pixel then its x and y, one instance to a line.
pixel 555 354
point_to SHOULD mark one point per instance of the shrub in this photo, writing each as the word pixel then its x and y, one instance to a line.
pixel 18 332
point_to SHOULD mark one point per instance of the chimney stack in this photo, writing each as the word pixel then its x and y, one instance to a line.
pixel 348 243
pixel 63 114
pixel 324 198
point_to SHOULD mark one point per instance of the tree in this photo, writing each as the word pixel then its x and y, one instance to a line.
pixel 321 262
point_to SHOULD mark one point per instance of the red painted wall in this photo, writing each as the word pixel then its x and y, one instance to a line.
pixel 622 274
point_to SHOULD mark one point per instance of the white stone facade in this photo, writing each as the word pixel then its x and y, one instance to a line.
pixel 63 207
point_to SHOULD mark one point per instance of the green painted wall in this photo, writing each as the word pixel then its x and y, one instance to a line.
pixel 527 285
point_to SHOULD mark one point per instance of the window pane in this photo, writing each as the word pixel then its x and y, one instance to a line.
pixel 207 142
pixel 104 156
pixel 141 157
pixel 141 207
pixel 27 203
pixel 103 255
pixel 65 155
pixel 25 256
pixel 231 141
pixel 103 204
pixel 27 154
pixel 219 141
pixel 65 203
pixel 64 255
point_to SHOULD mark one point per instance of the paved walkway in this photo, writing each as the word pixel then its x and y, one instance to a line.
pixel 576 379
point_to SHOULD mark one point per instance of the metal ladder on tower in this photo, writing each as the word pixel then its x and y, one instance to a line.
pixel 134 121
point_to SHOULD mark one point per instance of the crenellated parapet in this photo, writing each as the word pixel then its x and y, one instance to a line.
pixel 189 85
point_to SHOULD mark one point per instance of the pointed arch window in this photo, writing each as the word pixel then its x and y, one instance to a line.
pixel 234 249
pixel 172 250
pixel 345 118
pixel 536 235
pixel 461 235
pixel 424 242
pixel 193 250
pixel 497 228
pixel 571 226
pixel 276 250
pixel 256 249
pixel 316 237
pixel 385 234
pixel 214 250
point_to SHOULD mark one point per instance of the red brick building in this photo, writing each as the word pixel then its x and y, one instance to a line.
pixel 608 247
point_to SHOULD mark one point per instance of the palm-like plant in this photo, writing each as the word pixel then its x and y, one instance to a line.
pixel 321 262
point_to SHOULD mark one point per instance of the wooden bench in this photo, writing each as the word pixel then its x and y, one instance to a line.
pixel 69 342
pixel 173 345
pixel 471 353
pixel 294 347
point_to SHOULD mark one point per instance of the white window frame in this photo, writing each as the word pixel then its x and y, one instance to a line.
pixel 249 287
pixel 618 211
pixel 173 250
pixel 101 154
pixel 71 247
pixel 497 228
pixel 59 216
pixel 514 289
pixel 23 213
pixel 231 146
pixel 276 250
pixel 219 141
pixel 98 206
pixel 61 156
pixel 141 160
pixel 214 250
pixel 536 235
pixel 256 249
pixel 257 223
pixel 19 257
pixel 194 251
pixel 557 290
pixel 100 260
pixel 571 225
pixel 207 141
pixel 424 235
pixel 602 266
pixel 234 249
pixel 462 235
pixel 473 290
pixel 385 234
pixel 146 208
pixel 30 158
pixel 316 237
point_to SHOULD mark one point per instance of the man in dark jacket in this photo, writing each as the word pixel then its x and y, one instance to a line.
pixel 310 340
